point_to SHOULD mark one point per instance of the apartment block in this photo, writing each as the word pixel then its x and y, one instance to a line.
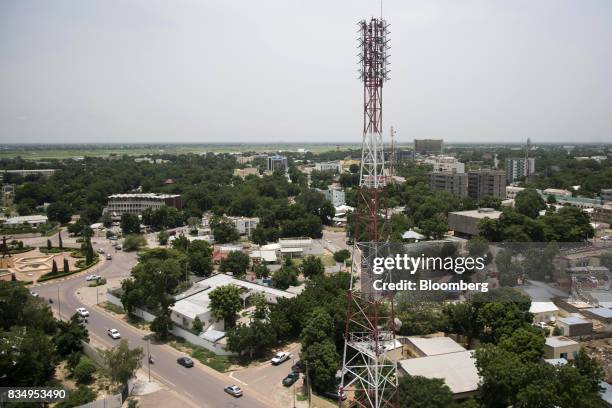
pixel 455 183
pixel 119 204
pixel 482 183
pixel 520 167
pixel 277 162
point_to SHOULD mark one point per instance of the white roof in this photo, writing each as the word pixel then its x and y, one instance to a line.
pixel 458 370
pixel 268 256
pixel 556 361
pixel 27 219
pixel 543 307
pixel 143 195
pixel 560 341
pixel 291 250
pixel 411 234
pixel 97 225
pixel 270 247
pixel 431 346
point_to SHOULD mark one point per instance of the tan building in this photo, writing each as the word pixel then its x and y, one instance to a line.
pixel 561 347
pixel 482 183
pixel 119 204
pixel 544 312
pixel 243 173
pixel 455 183
pixel 465 223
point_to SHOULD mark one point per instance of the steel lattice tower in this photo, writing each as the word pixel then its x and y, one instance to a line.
pixel 369 377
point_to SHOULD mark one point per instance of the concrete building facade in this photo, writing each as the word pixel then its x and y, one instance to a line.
pixel 334 167
pixel 277 162
pixel 465 223
pixel 455 183
pixel 428 146
pixel 119 204
pixel 519 167
pixel 483 183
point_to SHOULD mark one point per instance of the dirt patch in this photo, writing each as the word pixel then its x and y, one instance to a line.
pixel 601 351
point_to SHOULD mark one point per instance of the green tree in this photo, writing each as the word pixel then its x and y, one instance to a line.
pixel 122 362
pixel 312 266
pixel 421 392
pixel 197 325
pixel 225 303
pixel 66 266
pixel 134 242
pixel 254 340
pixel 130 224
pixel 323 363
pixel 49 246
pixel 162 324
pixel 529 203
pixel 236 262
pixel 224 232
pixel 589 368
pixel 70 335
pixel 162 237
pixel 478 246
pixel 262 271
pixel 526 343
pixel 342 255
pixel 284 277
pixel 77 397
pixel 318 327
pixel 199 258
pixel 59 240
pixel 54 268
pixel 59 211
pixel 28 357
pixel 84 370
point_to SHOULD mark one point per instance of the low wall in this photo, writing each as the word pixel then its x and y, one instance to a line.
pixel 176 330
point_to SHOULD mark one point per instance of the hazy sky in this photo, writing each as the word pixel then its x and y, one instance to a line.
pixel 285 70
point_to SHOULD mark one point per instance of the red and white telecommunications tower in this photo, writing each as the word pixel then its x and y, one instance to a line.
pixel 369 377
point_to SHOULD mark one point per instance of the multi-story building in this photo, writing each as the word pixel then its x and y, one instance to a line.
pixel 401 155
pixel 446 164
pixel 465 223
pixel 606 195
pixel 512 191
pixel 455 183
pixel 334 166
pixel 119 204
pixel 483 183
pixel 335 196
pixel 244 225
pixel 519 167
pixel 248 171
pixel 32 172
pixel 8 194
pixel 425 147
pixel 277 162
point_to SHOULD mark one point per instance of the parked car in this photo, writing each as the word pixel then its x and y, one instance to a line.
pixel 335 395
pixel 114 334
pixel 297 367
pixel 541 325
pixel 92 277
pixel 109 257
pixel 82 312
pixel 280 358
pixel 34 294
pixel 233 390
pixel 291 378
pixel 118 247
pixel 100 251
pixel 185 362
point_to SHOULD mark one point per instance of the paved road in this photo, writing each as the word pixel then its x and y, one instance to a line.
pixel 200 384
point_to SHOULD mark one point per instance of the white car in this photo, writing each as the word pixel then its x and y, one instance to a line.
pixel 92 277
pixel 82 312
pixel 100 251
pixel 114 333
pixel 541 325
pixel 34 294
pixel 280 358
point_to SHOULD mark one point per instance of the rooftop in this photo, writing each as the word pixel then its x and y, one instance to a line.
pixel 571 320
pixel 143 195
pixel 543 307
pixel 560 341
pixel 458 370
pixel 27 218
pixel 601 312
pixel 431 346
pixel 479 213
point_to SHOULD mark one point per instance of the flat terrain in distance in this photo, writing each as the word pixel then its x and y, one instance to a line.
pixel 67 151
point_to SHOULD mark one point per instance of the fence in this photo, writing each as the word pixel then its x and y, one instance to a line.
pixel 110 401
pixel 176 330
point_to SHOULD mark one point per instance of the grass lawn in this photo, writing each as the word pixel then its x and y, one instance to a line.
pixel 113 308
pixel 204 356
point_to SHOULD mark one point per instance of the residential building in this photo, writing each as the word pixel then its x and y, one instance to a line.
pixel 426 147
pixel 335 196
pixel 445 164
pixel 244 225
pixel 277 162
pixel 482 183
pixel 512 191
pixel 574 326
pixel 602 314
pixel 401 155
pixel 455 183
pixel 136 203
pixel 561 347
pixel 333 166
pixel 196 303
pixel 519 167
pixel 248 171
pixel 8 194
pixel 457 370
pixel 557 192
pixel 46 173
pixel 31 220
pixel 430 346
pixel 544 312
pixel 465 223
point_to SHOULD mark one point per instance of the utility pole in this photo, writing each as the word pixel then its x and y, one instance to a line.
pixel 149 359
pixel 293 363
pixel 97 300
pixel 59 303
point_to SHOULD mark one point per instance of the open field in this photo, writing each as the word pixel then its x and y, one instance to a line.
pixel 40 152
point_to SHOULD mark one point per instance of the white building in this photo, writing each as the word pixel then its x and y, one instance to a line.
pixel 445 164
pixel 512 191
pixel 335 167
pixel 544 312
pixel 557 192
pixel 244 225
pixel 431 346
pixel 519 167
pixel 277 163
pixel 119 204
pixel 195 302
pixel 335 196
pixel 32 220
pixel 32 172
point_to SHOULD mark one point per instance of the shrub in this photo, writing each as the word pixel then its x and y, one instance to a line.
pixel 84 370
